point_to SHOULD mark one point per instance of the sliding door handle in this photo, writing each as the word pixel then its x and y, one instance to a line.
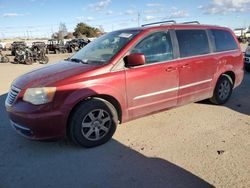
pixel 170 69
pixel 186 66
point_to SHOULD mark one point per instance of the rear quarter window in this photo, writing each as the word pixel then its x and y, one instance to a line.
pixel 224 41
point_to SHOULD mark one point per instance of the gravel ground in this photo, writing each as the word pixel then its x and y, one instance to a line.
pixel 196 145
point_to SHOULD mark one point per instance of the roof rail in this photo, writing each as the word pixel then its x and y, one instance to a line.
pixel 192 22
pixel 154 23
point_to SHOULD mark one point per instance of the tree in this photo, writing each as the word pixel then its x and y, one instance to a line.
pixel 62 30
pixel 84 29
pixel 69 36
pixel 54 35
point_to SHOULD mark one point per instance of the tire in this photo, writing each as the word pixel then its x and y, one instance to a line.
pixel 223 90
pixel 247 69
pixel 29 61
pixel 4 59
pixel 93 123
pixel 45 60
pixel 7 60
pixel 15 61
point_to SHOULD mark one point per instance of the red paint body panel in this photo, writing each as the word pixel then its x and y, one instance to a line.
pixel 144 93
pixel 139 90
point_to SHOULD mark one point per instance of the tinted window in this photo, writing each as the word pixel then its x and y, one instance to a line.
pixel 192 42
pixel 223 40
pixel 156 47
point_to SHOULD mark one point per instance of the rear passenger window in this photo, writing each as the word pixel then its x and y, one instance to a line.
pixel 192 42
pixel 156 47
pixel 224 41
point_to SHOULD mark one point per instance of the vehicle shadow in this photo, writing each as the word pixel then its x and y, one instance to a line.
pixel 239 100
pixel 26 163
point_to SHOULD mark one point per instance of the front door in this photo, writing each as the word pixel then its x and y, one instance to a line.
pixel 153 86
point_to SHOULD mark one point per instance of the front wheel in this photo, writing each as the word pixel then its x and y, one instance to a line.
pixel 223 90
pixel 93 123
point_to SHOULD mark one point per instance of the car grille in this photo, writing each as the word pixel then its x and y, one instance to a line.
pixel 12 95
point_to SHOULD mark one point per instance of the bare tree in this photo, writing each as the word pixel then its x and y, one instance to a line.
pixel 62 32
pixel 69 35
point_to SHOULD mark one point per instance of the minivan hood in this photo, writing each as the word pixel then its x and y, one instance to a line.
pixel 50 74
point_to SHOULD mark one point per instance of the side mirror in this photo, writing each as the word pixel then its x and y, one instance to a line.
pixel 135 59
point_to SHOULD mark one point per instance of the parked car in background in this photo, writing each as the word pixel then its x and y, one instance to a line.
pixel 39 52
pixel 242 34
pixel 39 44
pixel 76 44
pixel 56 46
pixel 124 75
pixel 247 58
pixel 26 55
pixel 17 44
pixel 23 55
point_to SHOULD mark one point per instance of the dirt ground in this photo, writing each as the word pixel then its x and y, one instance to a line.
pixel 196 145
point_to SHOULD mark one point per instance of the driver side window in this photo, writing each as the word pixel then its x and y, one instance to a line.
pixel 156 47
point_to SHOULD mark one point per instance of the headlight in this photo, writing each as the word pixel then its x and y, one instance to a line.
pixel 248 50
pixel 38 96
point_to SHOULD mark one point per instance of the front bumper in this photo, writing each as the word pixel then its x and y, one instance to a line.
pixel 37 122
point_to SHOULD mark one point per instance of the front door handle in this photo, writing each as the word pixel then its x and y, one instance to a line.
pixel 170 69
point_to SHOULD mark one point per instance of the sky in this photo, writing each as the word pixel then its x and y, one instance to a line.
pixel 40 18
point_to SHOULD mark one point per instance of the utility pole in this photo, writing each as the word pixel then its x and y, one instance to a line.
pixel 27 34
pixel 138 19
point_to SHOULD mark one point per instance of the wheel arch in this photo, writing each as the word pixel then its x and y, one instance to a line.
pixel 230 75
pixel 104 97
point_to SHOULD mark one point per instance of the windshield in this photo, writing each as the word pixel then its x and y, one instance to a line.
pixel 101 50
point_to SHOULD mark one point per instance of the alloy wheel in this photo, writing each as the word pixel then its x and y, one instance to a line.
pixel 96 124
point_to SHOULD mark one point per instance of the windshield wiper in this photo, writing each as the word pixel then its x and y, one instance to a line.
pixel 78 60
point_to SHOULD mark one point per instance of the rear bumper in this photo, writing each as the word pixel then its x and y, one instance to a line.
pixel 239 75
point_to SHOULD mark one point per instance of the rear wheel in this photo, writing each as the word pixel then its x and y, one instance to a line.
pixel 93 123
pixel 223 90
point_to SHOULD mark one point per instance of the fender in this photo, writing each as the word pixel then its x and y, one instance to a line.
pixel 71 97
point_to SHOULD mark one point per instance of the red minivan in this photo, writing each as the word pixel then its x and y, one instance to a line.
pixel 124 75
